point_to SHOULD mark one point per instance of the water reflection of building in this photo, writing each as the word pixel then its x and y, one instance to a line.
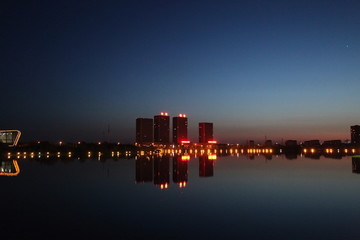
pixel 9 168
pixel 356 165
pixel 206 166
pixel 180 170
pixel 161 171
pixel 144 169
pixel 291 156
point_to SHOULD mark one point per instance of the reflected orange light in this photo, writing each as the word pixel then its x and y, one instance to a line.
pixel 212 157
pixel 185 157
pixel 182 184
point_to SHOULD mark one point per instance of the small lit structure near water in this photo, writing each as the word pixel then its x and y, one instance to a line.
pixel 10 137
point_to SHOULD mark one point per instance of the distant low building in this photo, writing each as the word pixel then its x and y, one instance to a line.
pixel 251 143
pixel 312 143
pixel 10 137
pixel 291 143
pixel 268 143
pixel 332 143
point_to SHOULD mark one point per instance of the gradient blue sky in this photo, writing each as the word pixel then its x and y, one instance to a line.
pixel 281 69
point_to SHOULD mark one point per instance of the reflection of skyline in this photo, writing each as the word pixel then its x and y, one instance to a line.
pixel 162 171
pixel 206 166
pixel 156 169
pixel 180 170
pixel 143 169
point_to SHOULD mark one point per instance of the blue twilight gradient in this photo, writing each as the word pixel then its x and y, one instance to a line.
pixel 280 69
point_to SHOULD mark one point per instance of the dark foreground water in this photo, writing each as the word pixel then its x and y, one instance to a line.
pixel 173 198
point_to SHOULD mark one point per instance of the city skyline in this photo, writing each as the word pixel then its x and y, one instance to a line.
pixel 257 69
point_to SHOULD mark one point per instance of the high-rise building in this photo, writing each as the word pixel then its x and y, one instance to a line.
pixel 144 131
pixel 180 129
pixel 205 132
pixel 355 134
pixel 162 128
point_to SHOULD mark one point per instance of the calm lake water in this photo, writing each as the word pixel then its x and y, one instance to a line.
pixel 177 198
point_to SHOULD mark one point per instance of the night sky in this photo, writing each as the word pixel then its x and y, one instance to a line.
pixel 280 69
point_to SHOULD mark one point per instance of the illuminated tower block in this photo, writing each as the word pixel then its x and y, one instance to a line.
pixel 205 132
pixel 144 131
pixel 180 129
pixel 162 128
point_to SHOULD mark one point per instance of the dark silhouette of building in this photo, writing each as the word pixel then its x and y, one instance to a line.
pixel 144 131
pixel 332 143
pixel 205 132
pixel 312 143
pixel 180 129
pixel 268 143
pixel 355 134
pixel 251 144
pixel 291 143
pixel 180 170
pixel 161 171
pixel 144 169
pixel 206 166
pixel 162 128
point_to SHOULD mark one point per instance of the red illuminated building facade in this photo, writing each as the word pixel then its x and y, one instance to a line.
pixel 180 129
pixel 162 128
pixel 205 132
pixel 144 131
